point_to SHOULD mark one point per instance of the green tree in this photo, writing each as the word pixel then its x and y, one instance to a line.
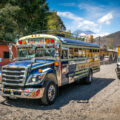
pixel 54 22
pixel 22 17
pixel 33 13
pixel 8 26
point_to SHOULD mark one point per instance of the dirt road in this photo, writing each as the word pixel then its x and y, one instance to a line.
pixel 98 101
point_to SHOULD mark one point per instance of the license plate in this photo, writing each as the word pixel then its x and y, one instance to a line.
pixel 13 97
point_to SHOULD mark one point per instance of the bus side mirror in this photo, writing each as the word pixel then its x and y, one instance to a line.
pixel 56 54
pixel 57 45
pixel 11 54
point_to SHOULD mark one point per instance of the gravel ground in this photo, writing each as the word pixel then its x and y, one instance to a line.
pixel 98 101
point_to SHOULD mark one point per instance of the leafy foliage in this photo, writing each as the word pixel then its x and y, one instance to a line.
pixel 54 22
pixel 8 25
pixel 23 17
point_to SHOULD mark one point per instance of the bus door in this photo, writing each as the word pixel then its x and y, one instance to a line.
pixel 64 66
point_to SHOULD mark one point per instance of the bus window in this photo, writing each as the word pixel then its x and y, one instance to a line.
pixel 84 53
pixel 64 54
pixel 76 53
pixel 31 52
pixel 97 52
pixel 80 53
pixel 91 53
pixel 22 52
pixel 44 52
pixel 87 53
pixel 71 53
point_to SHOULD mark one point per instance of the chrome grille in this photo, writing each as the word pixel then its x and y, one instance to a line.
pixel 13 76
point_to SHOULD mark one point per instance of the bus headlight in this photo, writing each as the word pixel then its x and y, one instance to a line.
pixel 35 79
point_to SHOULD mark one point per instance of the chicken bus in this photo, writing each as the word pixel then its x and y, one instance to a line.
pixel 44 63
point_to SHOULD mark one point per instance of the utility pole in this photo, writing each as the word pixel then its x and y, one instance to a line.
pixel 99 41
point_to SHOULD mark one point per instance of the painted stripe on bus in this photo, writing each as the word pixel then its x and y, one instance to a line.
pixel 80 75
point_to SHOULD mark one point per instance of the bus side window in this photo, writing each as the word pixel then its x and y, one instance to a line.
pixel 80 53
pixel 76 53
pixel 64 54
pixel 84 53
pixel 71 53
pixel 91 53
pixel 87 53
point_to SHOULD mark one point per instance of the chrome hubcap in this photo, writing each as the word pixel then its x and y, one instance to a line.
pixel 51 92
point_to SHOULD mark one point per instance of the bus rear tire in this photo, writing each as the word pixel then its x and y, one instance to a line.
pixel 50 93
pixel 89 78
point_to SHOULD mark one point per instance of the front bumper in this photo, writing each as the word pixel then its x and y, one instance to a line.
pixel 30 93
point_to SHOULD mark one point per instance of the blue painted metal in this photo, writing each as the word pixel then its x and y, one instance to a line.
pixel 39 64
pixel 27 63
pixel 77 42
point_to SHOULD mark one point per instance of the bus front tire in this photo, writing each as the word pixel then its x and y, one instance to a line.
pixel 89 78
pixel 50 93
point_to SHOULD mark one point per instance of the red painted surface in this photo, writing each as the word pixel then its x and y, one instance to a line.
pixel 0 77
pixel 5 48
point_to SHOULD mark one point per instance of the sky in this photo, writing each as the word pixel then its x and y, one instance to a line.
pixel 100 16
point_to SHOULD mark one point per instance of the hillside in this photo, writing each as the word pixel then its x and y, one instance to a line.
pixel 111 40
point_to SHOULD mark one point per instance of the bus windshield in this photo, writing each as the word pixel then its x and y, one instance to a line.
pixel 36 52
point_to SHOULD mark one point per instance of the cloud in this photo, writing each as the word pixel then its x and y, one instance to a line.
pixel 88 7
pixel 78 22
pixel 69 15
pixel 93 11
pixel 106 18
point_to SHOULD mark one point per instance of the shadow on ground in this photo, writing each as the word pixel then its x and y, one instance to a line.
pixel 75 92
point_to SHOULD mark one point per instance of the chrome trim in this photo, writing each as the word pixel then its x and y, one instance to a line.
pixel 13 75
pixel 12 80
pixel 12 71
pixel 12 84
pixel 23 93
pixel 20 96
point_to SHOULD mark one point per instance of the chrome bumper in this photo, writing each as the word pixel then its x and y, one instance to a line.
pixel 31 93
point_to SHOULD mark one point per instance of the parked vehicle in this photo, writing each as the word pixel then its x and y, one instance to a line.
pixel 46 62
pixel 118 63
pixel 106 59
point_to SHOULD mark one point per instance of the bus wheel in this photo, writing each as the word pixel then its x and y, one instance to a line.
pixel 89 78
pixel 50 93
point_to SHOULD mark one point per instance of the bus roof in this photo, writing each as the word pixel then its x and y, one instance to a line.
pixel 77 42
pixel 62 39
